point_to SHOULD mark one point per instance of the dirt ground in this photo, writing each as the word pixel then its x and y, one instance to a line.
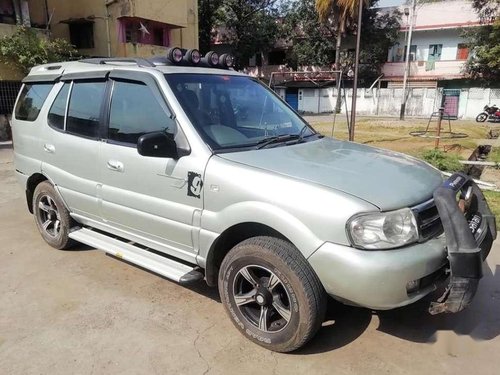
pixel 82 312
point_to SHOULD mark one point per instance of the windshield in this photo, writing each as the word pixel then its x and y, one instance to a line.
pixel 235 112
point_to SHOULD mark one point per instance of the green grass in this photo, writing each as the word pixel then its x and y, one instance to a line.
pixel 448 162
pixel 493 199
pixel 494 155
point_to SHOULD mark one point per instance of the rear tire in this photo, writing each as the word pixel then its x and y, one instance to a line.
pixel 482 117
pixel 51 216
pixel 271 293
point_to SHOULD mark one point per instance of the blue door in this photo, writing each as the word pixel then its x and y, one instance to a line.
pixel 292 98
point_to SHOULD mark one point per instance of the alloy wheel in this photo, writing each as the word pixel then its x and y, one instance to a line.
pixel 49 217
pixel 262 298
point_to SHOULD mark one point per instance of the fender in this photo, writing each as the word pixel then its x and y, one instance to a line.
pixel 213 224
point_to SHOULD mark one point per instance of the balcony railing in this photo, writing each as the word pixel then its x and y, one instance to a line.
pixel 436 69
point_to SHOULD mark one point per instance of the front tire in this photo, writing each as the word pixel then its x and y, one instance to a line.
pixel 51 216
pixel 271 293
pixel 482 117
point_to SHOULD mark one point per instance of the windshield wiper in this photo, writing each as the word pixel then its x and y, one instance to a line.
pixel 276 139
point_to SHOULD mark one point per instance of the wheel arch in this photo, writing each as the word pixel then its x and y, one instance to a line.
pixel 33 181
pixel 230 238
pixel 31 184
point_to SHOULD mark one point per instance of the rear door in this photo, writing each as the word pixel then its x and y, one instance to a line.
pixel 147 197
pixel 71 143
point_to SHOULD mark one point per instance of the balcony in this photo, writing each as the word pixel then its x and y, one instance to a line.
pixel 440 70
pixel 176 12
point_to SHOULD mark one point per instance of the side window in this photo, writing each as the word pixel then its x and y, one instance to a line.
pixel 31 101
pixel 85 108
pixel 58 109
pixel 135 111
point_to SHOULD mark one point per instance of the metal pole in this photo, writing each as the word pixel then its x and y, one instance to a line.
pixel 438 129
pixel 407 61
pixel 107 3
pixel 356 69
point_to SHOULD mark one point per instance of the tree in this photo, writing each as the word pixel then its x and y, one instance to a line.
pixel 311 42
pixel 25 49
pixel 488 10
pixel 341 13
pixel 208 11
pixel 251 25
pixel 315 42
pixel 484 61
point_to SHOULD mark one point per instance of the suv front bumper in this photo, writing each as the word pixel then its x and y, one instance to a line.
pixel 380 280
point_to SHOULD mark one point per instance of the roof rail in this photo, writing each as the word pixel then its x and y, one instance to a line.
pixel 143 63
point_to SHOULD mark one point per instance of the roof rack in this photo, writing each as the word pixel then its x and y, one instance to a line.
pixel 143 63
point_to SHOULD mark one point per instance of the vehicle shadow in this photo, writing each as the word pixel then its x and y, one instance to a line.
pixel 480 320
pixel 414 323
pixel 81 247
pixel 202 288
pixel 343 325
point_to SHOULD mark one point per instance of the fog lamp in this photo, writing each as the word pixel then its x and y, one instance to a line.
pixel 412 286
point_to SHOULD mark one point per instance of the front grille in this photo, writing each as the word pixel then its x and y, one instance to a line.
pixel 428 221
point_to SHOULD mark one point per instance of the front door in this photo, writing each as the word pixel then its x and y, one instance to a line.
pixel 292 97
pixel 147 197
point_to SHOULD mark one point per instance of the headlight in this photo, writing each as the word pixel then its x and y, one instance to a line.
pixel 383 230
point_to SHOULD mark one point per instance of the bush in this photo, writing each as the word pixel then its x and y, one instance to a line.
pixel 442 161
pixel 25 49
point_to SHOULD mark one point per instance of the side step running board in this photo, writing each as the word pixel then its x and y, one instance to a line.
pixel 163 266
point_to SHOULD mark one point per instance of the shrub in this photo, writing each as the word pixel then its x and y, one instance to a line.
pixel 25 49
pixel 442 161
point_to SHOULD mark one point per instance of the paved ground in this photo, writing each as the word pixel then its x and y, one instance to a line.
pixel 82 312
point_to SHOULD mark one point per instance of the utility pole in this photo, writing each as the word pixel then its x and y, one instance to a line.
pixel 407 61
pixel 356 69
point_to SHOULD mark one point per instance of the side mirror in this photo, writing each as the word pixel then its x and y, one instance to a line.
pixel 157 145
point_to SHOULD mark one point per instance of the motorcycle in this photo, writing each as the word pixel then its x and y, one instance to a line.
pixel 490 113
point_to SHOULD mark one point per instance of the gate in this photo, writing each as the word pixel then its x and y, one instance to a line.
pixel 450 102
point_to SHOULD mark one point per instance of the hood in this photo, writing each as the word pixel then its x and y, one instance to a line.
pixel 387 179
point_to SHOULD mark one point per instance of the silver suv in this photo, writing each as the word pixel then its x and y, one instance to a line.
pixel 194 171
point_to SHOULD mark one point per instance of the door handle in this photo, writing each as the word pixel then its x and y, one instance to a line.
pixel 49 148
pixel 115 165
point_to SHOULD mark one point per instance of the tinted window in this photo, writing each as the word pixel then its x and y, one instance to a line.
pixel 135 111
pixel 58 109
pixel 31 101
pixel 84 108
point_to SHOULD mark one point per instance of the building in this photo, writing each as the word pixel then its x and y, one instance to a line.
pixel 124 28
pixel 438 51
pixel 98 28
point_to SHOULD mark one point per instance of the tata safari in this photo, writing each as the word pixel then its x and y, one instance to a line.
pixel 191 170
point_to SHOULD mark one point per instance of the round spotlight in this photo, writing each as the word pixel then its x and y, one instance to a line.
pixel 193 56
pixel 175 55
pixel 227 60
pixel 212 58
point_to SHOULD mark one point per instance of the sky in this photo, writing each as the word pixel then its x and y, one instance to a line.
pixel 388 3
